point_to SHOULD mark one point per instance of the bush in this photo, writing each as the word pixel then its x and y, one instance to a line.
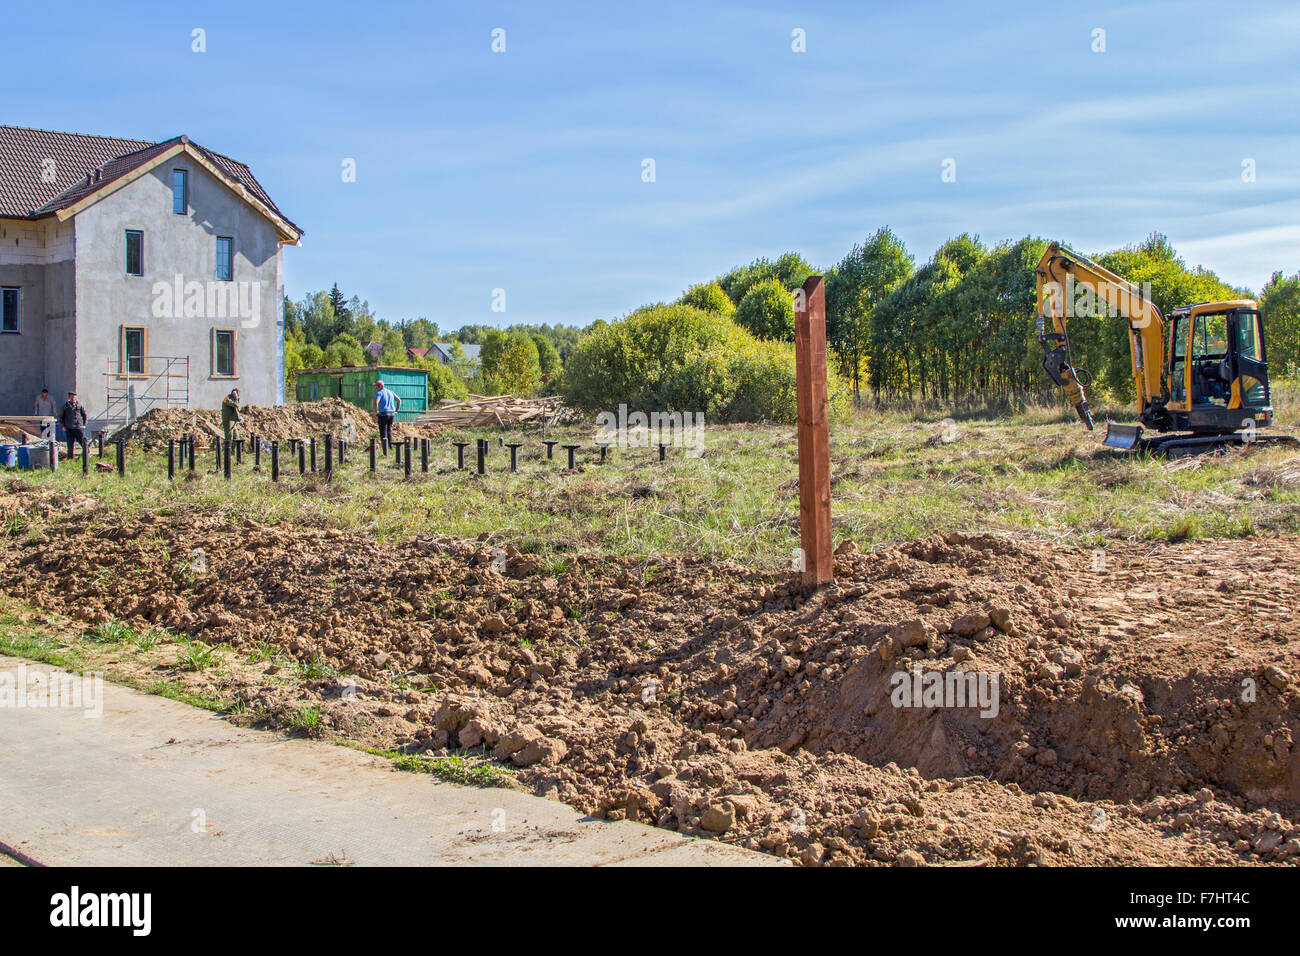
pixel 680 358
pixel 444 382
pixel 767 311
pixel 708 297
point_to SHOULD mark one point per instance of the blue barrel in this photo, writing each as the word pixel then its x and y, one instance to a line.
pixel 24 456
pixel 8 456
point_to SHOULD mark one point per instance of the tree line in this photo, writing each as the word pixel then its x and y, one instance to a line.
pixel 327 329
pixel 959 329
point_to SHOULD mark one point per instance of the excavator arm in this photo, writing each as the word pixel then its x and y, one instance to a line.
pixel 1065 279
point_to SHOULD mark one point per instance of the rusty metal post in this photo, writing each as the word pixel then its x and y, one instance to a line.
pixel 814 434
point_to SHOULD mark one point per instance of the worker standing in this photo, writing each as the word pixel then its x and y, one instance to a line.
pixel 387 405
pixel 73 420
pixel 230 413
pixel 45 408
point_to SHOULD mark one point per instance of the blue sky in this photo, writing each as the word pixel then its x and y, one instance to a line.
pixel 522 170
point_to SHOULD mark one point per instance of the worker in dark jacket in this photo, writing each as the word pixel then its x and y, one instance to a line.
pixel 230 412
pixel 73 420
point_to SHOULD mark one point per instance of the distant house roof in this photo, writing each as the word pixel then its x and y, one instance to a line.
pixel 375 349
pixel 418 353
pixel 45 173
pixel 443 351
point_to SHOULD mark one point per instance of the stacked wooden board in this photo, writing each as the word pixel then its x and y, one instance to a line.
pixel 494 410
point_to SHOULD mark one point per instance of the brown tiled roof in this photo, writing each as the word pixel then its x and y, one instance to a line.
pixel 81 165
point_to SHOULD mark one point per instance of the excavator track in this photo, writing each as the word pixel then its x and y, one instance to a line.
pixel 1178 445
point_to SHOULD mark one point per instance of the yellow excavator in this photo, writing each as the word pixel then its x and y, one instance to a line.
pixel 1201 374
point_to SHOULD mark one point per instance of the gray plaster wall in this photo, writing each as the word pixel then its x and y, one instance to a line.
pixel 36 257
pixel 180 255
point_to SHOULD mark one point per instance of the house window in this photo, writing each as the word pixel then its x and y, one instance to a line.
pixel 223 352
pixel 225 258
pixel 180 191
pixel 135 344
pixel 134 252
pixel 10 301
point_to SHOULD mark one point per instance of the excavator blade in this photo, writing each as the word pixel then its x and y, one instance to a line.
pixel 1123 437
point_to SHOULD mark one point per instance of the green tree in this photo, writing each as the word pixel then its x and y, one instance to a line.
pixel 548 357
pixel 510 363
pixel 394 351
pixel 1279 303
pixel 344 350
pixel 767 311
pixel 709 297
pixel 858 283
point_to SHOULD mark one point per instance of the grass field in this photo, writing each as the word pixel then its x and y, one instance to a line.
pixel 895 477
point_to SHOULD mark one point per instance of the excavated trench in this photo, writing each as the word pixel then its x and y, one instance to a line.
pixel 715 699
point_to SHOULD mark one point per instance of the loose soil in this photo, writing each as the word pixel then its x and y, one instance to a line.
pixel 331 416
pixel 1147 711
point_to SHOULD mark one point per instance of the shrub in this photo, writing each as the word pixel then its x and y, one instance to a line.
pixel 767 311
pixel 708 297
pixel 680 358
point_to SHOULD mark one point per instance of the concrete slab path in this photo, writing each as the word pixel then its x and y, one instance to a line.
pixel 156 782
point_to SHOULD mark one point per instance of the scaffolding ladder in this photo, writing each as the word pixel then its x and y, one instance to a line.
pixel 148 382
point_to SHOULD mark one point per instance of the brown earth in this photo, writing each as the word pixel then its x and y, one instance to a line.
pixel 1146 709
pixel 331 416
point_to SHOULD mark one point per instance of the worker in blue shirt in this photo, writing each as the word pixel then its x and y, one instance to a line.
pixel 387 405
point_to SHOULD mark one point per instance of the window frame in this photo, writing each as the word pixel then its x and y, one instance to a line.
pixel 230 259
pixel 18 314
pixel 139 252
pixel 234 353
pixel 185 192
pixel 124 366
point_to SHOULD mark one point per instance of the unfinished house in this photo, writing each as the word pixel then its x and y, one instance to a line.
pixel 138 274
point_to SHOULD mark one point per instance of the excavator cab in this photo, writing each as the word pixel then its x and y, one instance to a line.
pixel 1217 371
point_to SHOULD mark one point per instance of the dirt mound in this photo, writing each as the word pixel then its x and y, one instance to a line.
pixel 331 416
pixel 1144 711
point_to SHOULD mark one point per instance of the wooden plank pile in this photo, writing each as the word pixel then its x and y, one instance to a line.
pixel 480 410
